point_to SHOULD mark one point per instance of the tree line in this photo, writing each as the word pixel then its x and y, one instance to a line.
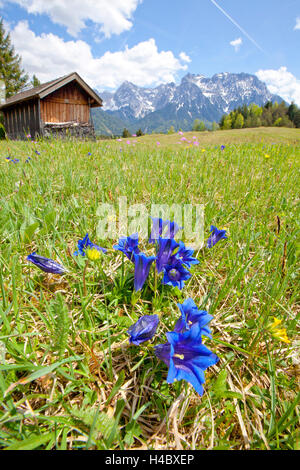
pixel 269 115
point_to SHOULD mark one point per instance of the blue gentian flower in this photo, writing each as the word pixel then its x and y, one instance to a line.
pixel 37 152
pixel 166 247
pixel 86 243
pixel 128 245
pixel 222 147
pixel 144 329
pixel 175 274
pixel 185 255
pixel 172 229
pixel 158 228
pixel 45 264
pixel 186 357
pixel 216 235
pixel 191 315
pixel 142 265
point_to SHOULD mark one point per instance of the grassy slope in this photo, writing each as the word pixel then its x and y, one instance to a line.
pixel 83 387
pixel 237 136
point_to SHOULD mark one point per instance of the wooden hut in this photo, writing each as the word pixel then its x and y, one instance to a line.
pixel 60 107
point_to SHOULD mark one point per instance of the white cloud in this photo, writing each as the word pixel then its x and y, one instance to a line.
pixel 236 43
pixel 282 83
pixel 113 16
pixel 49 56
pixel 297 25
pixel 184 57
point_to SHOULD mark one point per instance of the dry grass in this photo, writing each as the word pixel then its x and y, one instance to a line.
pixel 265 135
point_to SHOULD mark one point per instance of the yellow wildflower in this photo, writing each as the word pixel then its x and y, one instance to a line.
pixel 278 333
pixel 93 254
pixel 275 323
pixel 281 335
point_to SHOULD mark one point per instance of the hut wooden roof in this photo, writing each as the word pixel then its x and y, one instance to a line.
pixel 46 89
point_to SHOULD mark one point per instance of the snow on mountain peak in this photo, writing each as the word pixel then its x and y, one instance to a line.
pixel 196 95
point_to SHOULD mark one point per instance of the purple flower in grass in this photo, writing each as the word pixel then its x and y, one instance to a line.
pixel 166 247
pixel 186 255
pixel 222 147
pixel 86 243
pixel 175 274
pixel 143 330
pixel 142 265
pixel 158 228
pixel 216 235
pixel 128 245
pixel 172 229
pixel 191 315
pixel 45 264
pixel 186 357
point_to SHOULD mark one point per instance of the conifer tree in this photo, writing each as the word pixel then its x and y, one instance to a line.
pixel 126 133
pixel 11 71
pixel 292 111
pixel 297 118
pixel 35 81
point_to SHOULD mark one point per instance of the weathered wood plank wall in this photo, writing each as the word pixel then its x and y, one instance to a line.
pixel 70 103
pixel 22 119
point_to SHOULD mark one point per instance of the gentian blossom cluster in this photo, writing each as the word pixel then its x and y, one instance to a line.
pixel 184 352
pixel 172 259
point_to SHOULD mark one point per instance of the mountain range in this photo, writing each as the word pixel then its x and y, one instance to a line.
pixel 178 105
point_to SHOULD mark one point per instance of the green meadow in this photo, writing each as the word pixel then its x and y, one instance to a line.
pixel 68 377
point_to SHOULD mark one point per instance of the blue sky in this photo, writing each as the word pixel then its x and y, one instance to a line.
pixel 149 42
